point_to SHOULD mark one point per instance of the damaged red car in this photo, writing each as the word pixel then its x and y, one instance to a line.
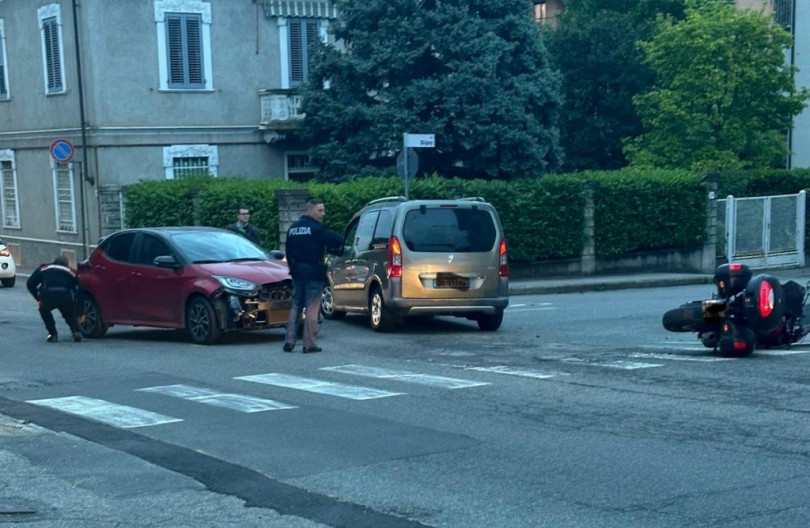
pixel 202 279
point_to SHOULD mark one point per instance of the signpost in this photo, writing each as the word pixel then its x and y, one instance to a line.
pixel 408 157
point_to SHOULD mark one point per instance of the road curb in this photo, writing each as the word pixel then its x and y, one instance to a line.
pixel 603 284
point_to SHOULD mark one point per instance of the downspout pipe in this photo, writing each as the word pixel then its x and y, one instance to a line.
pixel 83 168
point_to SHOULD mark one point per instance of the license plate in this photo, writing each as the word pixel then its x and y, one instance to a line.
pixel 451 283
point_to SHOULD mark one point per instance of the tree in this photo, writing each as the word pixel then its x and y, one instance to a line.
pixel 723 96
pixel 594 45
pixel 472 72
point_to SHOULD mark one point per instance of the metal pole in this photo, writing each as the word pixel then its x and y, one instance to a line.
pixel 83 166
pixel 407 173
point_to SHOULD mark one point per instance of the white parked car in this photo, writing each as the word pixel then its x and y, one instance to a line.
pixel 8 270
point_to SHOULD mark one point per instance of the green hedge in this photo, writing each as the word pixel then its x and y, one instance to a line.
pixel 543 219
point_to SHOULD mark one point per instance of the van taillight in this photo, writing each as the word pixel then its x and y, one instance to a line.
pixel 394 258
pixel 503 261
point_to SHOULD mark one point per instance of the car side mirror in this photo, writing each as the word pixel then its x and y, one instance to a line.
pixel 166 261
pixel 276 254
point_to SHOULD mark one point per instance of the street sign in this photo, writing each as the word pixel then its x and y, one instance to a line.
pixel 411 164
pixel 420 140
pixel 62 151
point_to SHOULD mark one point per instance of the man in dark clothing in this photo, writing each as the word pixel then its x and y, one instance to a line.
pixel 245 228
pixel 307 240
pixel 56 286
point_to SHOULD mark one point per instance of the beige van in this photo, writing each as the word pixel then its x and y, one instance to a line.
pixel 407 258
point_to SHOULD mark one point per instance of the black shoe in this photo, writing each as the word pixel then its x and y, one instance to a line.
pixel 52 338
pixel 289 347
pixel 311 350
pixel 77 337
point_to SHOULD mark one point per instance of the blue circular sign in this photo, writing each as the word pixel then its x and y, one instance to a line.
pixel 62 151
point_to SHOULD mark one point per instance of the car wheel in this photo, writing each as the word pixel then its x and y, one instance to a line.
pixel 328 305
pixel 93 324
pixel 490 322
pixel 9 283
pixel 380 318
pixel 201 322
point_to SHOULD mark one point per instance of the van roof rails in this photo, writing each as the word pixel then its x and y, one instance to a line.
pixel 473 198
pixel 388 199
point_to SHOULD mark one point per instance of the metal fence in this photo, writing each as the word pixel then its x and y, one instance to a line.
pixel 762 232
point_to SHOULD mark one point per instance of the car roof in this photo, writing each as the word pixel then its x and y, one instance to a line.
pixel 391 202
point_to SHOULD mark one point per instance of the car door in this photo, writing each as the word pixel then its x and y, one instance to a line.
pixel 111 284
pixel 341 268
pixel 363 264
pixel 159 292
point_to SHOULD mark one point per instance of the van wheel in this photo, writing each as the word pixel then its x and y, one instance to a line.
pixel 380 318
pixel 490 322
pixel 328 305
pixel 201 322
pixel 93 325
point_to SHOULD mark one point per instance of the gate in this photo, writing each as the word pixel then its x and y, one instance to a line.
pixel 763 232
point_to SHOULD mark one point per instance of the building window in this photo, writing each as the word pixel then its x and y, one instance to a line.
pixel 783 13
pixel 63 191
pixel 297 39
pixel 184 44
pixel 540 11
pixel 50 24
pixel 298 167
pixel 9 199
pixel 187 161
pixel 3 61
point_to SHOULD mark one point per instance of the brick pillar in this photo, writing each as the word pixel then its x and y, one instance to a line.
pixel 111 202
pixel 709 260
pixel 292 203
pixel 588 258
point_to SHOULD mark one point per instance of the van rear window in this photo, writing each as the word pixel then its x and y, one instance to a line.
pixel 444 229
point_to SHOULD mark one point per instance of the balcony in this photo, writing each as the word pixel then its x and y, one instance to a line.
pixel 280 109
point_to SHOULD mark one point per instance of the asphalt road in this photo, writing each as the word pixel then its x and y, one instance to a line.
pixel 580 411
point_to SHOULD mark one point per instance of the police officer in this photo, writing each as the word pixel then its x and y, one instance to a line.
pixel 56 286
pixel 307 239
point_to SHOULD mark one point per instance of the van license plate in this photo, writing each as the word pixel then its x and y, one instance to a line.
pixel 451 283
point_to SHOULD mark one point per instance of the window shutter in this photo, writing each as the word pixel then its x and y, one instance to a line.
pixel 54 67
pixel 296 52
pixel 312 41
pixel 3 88
pixel 184 42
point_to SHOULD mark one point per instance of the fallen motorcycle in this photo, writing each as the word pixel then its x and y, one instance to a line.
pixel 746 312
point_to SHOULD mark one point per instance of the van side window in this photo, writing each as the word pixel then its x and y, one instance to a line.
pixel 348 239
pixel 365 231
pixel 383 230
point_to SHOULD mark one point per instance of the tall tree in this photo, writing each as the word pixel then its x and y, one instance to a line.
pixel 723 96
pixel 594 45
pixel 472 72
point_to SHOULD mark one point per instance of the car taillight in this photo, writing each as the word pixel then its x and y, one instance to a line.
pixel 5 252
pixel 766 299
pixel 503 260
pixel 394 258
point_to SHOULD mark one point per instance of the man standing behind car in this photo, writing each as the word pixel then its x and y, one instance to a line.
pixel 244 227
pixel 56 286
pixel 307 239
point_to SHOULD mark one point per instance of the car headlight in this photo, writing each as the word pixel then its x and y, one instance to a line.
pixel 236 285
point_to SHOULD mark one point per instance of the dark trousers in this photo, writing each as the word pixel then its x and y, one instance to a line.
pixel 66 308
pixel 306 294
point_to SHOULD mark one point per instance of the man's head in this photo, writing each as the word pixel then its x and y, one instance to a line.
pixel 316 210
pixel 243 214
pixel 60 260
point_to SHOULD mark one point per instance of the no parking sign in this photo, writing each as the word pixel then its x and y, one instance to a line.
pixel 62 151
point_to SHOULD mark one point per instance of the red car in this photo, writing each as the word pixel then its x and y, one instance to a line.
pixel 203 279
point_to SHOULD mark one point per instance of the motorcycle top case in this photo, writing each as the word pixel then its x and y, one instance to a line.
pixel 731 278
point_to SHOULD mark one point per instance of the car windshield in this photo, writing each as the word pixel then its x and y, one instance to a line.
pixel 217 246
pixel 442 229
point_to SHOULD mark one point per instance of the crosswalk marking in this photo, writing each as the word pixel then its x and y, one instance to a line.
pixel 103 411
pixel 236 402
pixel 409 377
pixel 524 373
pixel 674 357
pixel 351 392
pixel 625 365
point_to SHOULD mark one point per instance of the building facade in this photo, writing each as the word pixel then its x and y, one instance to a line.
pixel 168 88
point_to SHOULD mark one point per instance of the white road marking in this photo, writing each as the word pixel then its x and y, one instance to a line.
pixel 673 357
pixel 408 377
pixel 103 411
pixel 340 390
pixel 235 402
pixel 625 365
pixel 511 371
pixel 781 352
pixel 531 307
pixel 686 347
